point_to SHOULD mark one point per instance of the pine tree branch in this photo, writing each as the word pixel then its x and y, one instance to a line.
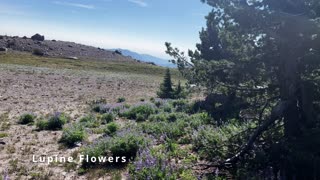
pixel 276 113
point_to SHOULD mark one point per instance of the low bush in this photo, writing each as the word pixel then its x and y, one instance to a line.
pixel 152 165
pixel 124 143
pixel 107 118
pixel 57 121
pixel 73 134
pixel 90 121
pixel 127 144
pixel 161 117
pixel 26 119
pixel 96 108
pixel 111 128
pixel 212 142
pixel 42 124
pixel 145 109
pixel 121 99
pixel 181 105
pixel 172 117
pixel 172 130
pixel 167 108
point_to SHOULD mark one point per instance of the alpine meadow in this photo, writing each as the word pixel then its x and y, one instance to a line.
pixel 243 103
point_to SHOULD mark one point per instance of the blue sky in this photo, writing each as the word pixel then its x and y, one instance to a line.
pixel 138 25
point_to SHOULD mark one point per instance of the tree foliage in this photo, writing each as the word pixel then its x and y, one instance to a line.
pixel 167 91
pixel 263 55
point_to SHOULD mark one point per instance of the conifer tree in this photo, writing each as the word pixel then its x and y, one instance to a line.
pixel 166 91
pixel 179 91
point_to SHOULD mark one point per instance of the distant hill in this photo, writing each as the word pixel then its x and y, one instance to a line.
pixel 60 49
pixel 146 58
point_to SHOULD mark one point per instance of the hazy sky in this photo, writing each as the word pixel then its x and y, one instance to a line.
pixel 139 25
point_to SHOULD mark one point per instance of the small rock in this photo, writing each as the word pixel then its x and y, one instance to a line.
pixel 73 58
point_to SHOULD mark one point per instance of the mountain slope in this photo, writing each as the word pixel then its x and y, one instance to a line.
pixel 61 49
pixel 146 58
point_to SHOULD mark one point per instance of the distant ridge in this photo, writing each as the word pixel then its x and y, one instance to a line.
pixel 146 58
pixel 62 49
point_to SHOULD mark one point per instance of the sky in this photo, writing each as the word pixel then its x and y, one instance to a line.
pixel 138 25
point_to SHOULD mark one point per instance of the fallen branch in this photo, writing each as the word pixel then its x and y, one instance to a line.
pixel 276 113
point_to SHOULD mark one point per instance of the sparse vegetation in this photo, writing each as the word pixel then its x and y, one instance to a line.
pixel 111 128
pixel 143 111
pixel 90 121
pixel 73 134
pixel 121 99
pixel 107 118
pixel 27 119
pixel 2 135
pixel 55 122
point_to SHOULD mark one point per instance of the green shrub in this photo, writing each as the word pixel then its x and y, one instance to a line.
pixel 42 124
pixel 172 117
pixel 111 128
pixel 126 145
pixel 2 135
pixel 127 106
pixel 96 108
pixel 173 130
pixel 151 165
pixel 161 117
pixel 121 99
pixel 26 119
pixel 96 150
pixel 146 110
pixel 90 121
pixel 181 105
pixel 157 103
pixel 180 92
pixel 73 134
pixel 57 121
pixel 107 118
pixel 141 117
pixel 212 142
pixel 167 108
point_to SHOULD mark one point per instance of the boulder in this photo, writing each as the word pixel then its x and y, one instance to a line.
pixel 151 63
pixel 37 37
pixel 3 49
pixel 118 52
pixel 72 57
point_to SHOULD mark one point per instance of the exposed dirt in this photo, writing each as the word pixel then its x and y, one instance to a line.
pixel 43 91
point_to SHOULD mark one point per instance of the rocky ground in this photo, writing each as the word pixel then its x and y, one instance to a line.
pixel 55 48
pixel 46 90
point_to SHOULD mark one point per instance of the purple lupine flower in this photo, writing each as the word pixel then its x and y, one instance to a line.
pixel 6 175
